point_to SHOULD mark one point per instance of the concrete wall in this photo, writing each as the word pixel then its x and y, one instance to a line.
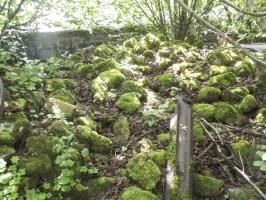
pixel 43 45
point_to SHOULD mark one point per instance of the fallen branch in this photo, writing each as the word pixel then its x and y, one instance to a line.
pixel 228 160
pixel 259 14
pixel 219 32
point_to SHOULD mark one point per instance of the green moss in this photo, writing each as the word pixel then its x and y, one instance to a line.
pixel 242 146
pixel 235 95
pixel 190 84
pixel 113 78
pixel 15 116
pixel 206 186
pixel 164 138
pixel 121 131
pixel 223 80
pixel 70 83
pixel 204 110
pixel 248 104
pixel 209 94
pixel 158 156
pixel 6 151
pixel 55 84
pixel 174 56
pixel 22 103
pixel 63 95
pixel 83 69
pixel 149 54
pixel 165 53
pixel 192 56
pixel 130 43
pixel 22 128
pixel 171 152
pixel 129 102
pixel 138 59
pixel 241 193
pixel 132 86
pixel 105 65
pixel 61 108
pixel 41 144
pixel 40 166
pixel 152 42
pixel 37 100
pixel 144 171
pixel 104 51
pixel 164 63
pixel 170 105
pixel 134 193
pixel 245 67
pixel 198 132
pixel 261 116
pixel 107 120
pixel 165 80
pixel 145 69
pixel 77 57
pixel 261 81
pixel 226 113
pixel 139 48
pixel 97 143
pixel 221 57
pixel 216 69
pixel 59 128
pixel 7 138
pixel 176 193
pixel 87 121
pixel 97 187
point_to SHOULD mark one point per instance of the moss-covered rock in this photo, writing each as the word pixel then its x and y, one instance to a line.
pixel 245 67
pixel 139 48
pixel 145 69
pixel 216 69
pixel 131 43
pixel 164 139
pixel 106 80
pixel 165 80
pixel 6 151
pixel 129 102
pixel 22 103
pixel 134 193
pixel 204 110
pixel 223 80
pixel 15 116
pixel 55 84
pixel 209 94
pixel 87 121
pixel 105 65
pixel 138 59
pixel 242 146
pixel 77 57
pixel 121 130
pixel 70 83
pixel 41 144
pixel 248 104
pixel 226 113
pixel 40 166
pixel 22 128
pixel 132 86
pixel 261 116
pixel 63 95
pixel 7 138
pixel 104 51
pixel 144 171
pixel 241 193
pixel 149 54
pixel 107 120
pixel 190 84
pixel 164 63
pixel 97 143
pixel 206 186
pixel 219 57
pixel 158 156
pixel 59 128
pixel 37 100
pixel 198 132
pixel 83 69
pixel 61 108
pixel 261 81
pixel 234 95
pixel 152 42
pixel 165 53
pixel 174 56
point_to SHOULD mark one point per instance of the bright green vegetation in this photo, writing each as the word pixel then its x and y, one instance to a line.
pixel 223 80
pixel 206 186
pixel 204 110
pixel 226 113
pixel 129 102
pixel 209 94
pixel 134 193
pixel 121 130
pixel 248 104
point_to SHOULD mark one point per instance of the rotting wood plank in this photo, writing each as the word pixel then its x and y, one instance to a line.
pixel 184 145
pixel 182 121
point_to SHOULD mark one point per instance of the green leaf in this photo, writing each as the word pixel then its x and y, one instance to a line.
pixel 258 163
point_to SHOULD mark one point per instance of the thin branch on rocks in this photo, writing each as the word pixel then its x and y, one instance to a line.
pixel 220 33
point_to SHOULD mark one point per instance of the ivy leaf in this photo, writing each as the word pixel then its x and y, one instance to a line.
pixel 263 167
